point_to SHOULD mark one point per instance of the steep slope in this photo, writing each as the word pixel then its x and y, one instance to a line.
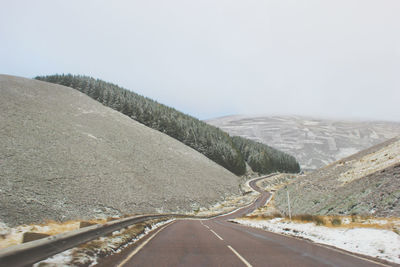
pixel 212 142
pixel 63 155
pixel 314 142
pixel 365 183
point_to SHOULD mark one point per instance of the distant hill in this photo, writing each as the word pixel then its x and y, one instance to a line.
pixel 366 183
pixel 212 142
pixel 63 156
pixel 314 142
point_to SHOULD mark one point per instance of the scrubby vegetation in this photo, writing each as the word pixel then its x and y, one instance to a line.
pixel 336 221
pixel 231 153
pixel 318 220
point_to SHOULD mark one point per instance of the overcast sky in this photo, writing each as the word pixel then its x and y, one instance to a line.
pixel 209 58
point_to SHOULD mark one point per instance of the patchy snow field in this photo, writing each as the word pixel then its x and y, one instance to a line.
pixel 379 243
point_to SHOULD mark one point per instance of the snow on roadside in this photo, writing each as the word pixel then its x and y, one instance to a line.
pixel 379 243
pixel 109 244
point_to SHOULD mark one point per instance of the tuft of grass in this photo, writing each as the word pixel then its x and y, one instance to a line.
pixel 336 221
pixel 264 216
pixel 109 219
pixel 318 220
pixel 277 215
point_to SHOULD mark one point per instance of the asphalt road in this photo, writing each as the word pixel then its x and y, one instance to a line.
pixel 217 242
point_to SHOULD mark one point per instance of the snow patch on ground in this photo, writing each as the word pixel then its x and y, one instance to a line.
pixel 345 152
pixel 114 243
pixel 373 162
pixel 61 259
pixel 379 243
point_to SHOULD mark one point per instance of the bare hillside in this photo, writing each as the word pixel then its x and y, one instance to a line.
pixel 365 183
pixel 65 156
pixel 314 142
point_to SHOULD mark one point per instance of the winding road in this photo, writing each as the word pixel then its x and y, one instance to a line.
pixel 218 242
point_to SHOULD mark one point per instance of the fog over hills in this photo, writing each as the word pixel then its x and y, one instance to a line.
pixel 314 142
pixel 63 156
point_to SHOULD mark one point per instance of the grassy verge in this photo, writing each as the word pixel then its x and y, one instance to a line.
pixel 14 236
pixel 350 222
pixel 89 253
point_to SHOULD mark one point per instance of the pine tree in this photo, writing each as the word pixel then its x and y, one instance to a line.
pixel 229 152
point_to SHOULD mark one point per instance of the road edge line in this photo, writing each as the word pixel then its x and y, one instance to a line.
pixel 352 255
pixel 339 250
pixel 142 245
pixel 216 234
pixel 240 256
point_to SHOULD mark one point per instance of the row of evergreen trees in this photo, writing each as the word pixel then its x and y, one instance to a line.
pixel 265 159
pixel 231 153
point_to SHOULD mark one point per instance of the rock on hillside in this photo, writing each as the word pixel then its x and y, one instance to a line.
pixel 65 156
pixel 366 183
pixel 314 142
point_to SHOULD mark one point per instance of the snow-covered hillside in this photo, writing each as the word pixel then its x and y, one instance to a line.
pixel 314 142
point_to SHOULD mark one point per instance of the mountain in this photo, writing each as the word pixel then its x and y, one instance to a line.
pixel 212 142
pixel 66 156
pixel 366 183
pixel 314 142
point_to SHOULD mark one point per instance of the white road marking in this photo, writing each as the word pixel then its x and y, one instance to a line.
pixel 205 225
pixel 352 255
pixel 240 256
pixel 324 246
pixel 142 245
pixel 212 231
pixel 216 234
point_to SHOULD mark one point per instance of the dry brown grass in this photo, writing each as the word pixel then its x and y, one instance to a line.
pixel 318 220
pixel 84 254
pixel 88 253
pixel 14 235
pixel 350 222
pixel 55 228
pixel 263 216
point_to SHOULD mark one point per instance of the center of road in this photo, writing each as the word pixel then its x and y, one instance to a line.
pixel 231 248
pixel 240 257
pixel 238 212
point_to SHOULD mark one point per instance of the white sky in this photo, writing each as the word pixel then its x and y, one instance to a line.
pixel 209 58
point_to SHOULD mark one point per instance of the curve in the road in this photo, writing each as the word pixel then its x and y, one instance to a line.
pixel 218 242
